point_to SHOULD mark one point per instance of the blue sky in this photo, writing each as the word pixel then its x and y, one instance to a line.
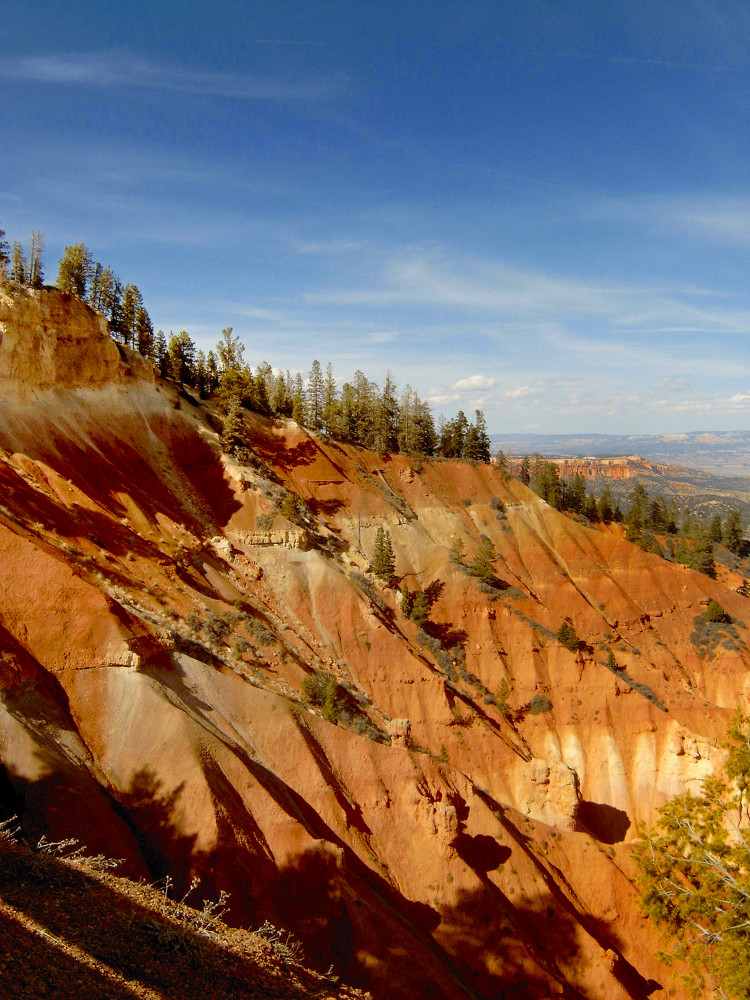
pixel 537 208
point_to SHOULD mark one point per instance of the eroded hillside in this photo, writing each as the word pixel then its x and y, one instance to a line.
pixel 456 820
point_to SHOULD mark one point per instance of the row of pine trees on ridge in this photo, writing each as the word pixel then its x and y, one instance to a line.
pixel 359 412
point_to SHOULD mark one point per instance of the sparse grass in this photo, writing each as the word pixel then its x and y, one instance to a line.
pixel 285 946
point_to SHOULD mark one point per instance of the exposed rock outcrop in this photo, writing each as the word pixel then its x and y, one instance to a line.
pixel 49 340
pixel 197 699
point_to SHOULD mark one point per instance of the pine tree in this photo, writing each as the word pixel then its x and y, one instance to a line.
pixel 636 515
pixel 453 436
pixel 233 432
pixel 546 482
pixel 94 293
pixel 482 566
pixel 161 355
pixel 606 511
pixel 715 531
pixel 567 637
pixel 132 301
pixel 235 385
pixel 590 509
pixel 575 499
pixel 35 276
pixel 315 395
pixel 732 535
pixel 330 401
pixel 18 269
pixel 420 609
pixel 525 473
pixel 75 270
pixel 230 350
pixel 212 374
pixel 109 291
pixel 299 401
pixel 200 374
pixel 115 310
pixel 280 399
pixel 181 353
pixel 383 560
pixel 345 425
pixel 702 557
pixel 144 333
pixel 477 442
pixel 363 409
pixel 385 429
pixel 406 423
pixel 259 395
pixel 406 600
pixel 264 393
pixel 425 438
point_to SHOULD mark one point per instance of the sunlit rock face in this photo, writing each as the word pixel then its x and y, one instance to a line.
pixel 49 340
pixel 456 819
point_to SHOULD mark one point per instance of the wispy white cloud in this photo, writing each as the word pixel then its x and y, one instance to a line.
pixel 720 219
pixel 726 220
pixel 123 68
pixel 473 382
pixel 512 294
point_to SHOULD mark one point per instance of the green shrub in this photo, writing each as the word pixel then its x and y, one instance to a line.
pixel 290 507
pixel 715 613
pixel 566 636
pixel 420 609
pixel 539 704
pixel 314 688
pixel 215 629
pixel 612 663
pixel 331 702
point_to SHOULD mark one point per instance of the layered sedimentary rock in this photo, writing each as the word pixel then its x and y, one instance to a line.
pixel 456 818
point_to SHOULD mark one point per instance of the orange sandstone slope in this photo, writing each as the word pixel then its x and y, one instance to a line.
pixel 158 617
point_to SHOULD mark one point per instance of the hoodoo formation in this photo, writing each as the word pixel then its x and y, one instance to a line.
pixel 200 675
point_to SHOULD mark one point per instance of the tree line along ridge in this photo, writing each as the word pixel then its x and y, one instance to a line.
pixel 358 412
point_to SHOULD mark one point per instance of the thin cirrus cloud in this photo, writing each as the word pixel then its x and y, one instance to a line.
pixel 510 293
pixel 721 220
pixel 122 68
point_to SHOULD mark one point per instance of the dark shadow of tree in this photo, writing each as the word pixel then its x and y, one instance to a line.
pixel 433 591
pixel 152 812
pixel 482 946
pixel 446 634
